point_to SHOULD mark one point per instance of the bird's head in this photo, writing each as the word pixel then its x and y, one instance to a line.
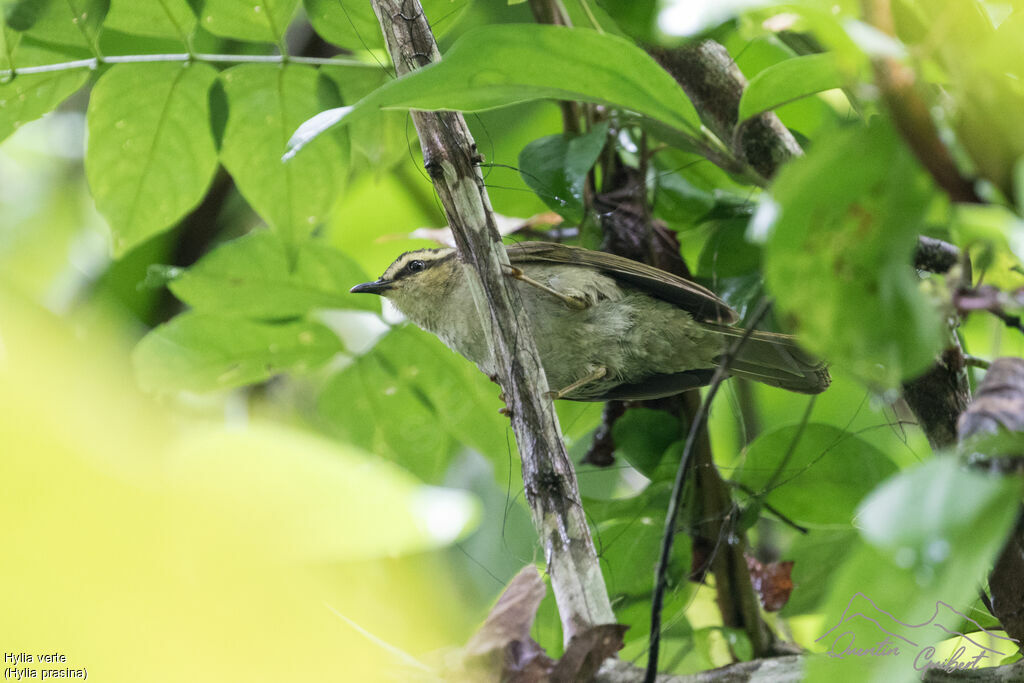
pixel 416 282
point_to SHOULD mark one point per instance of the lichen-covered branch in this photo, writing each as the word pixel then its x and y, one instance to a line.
pixel 451 159
pixel 715 85
pixel 999 407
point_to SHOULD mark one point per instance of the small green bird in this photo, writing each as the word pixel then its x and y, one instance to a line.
pixel 606 327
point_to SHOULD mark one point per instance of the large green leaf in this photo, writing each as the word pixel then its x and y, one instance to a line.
pixel 157 18
pixel 379 141
pixel 75 23
pixel 819 478
pixel 151 154
pixel 21 15
pixel 259 20
pixel 253 277
pixel 353 25
pixel 788 81
pixel 556 167
pixel 205 352
pixel 678 201
pixel 266 103
pixel 495 66
pixel 629 552
pixel 839 258
pixel 376 404
pixel 932 534
pixel 817 558
pixel 29 96
pixel 409 396
pixel 731 265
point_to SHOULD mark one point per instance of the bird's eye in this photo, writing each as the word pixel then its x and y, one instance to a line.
pixel 415 266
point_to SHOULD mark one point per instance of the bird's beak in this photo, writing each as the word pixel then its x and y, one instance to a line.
pixel 378 287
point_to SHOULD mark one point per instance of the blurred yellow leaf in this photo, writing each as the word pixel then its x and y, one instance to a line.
pixel 138 554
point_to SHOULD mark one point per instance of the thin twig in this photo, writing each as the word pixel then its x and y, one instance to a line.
pixel 590 16
pixel 769 507
pixel 698 425
pixel 95 62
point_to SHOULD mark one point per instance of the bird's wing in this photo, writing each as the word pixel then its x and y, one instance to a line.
pixel 698 301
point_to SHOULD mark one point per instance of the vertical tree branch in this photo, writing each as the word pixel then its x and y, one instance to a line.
pixel 999 407
pixel 451 159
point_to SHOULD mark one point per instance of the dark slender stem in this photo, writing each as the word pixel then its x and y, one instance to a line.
pixel 696 428
pixel 770 508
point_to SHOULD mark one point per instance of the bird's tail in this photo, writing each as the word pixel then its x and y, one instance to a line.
pixel 775 359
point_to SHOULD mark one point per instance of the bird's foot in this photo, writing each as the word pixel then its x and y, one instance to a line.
pixel 595 375
pixel 570 301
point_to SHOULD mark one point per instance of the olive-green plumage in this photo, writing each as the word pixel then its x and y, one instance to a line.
pixel 619 328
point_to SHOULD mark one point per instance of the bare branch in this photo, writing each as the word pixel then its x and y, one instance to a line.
pixel 6 75
pixel 451 159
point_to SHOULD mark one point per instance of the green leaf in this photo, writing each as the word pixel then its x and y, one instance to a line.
pixel 29 96
pixel 819 479
pixel 205 352
pixel 439 396
pixel 352 24
pixel 788 81
pixel 495 66
pixel 678 201
pixel 8 44
pixel 556 167
pixel 919 517
pixel 253 277
pixel 21 15
pixel 151 155
pixel 76 23
pixel 852 235
pixel 630 545
pixel 346 23
pixel 933 534
pixel 1018 185
pixel 266 103
pixel 817 558
pixel 379 141
pixel 156 18
pixel 637 18
pixel 257 20
pixel 731 265
pixel 642 436
pixel 356 402
pixel 991 235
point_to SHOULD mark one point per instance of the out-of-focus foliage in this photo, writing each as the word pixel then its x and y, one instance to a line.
pixel 852 235
pixel 307 444
pixel 139 537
